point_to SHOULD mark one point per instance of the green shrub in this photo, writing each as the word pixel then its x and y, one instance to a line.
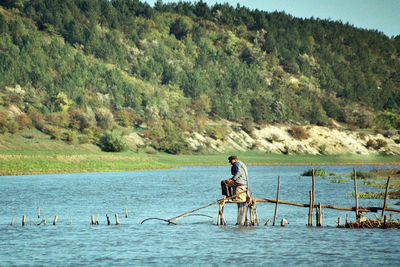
pixel 317 172
pixel 298 132
pixel 111 142
pixel 53 131
pixel 216 132
pixel 69 136
pixel 104 118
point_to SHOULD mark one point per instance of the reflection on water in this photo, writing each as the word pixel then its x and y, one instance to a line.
pixel 196 240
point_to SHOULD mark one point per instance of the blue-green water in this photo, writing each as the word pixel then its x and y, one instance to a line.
pixel 197 240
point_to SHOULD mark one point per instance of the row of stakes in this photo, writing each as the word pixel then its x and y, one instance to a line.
pixel 93 221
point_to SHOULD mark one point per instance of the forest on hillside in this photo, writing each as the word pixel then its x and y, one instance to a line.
pixel 83 70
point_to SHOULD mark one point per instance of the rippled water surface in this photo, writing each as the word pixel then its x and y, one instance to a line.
pixel 197 240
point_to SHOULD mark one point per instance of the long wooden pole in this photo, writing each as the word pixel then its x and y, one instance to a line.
pixel 327 206
pixel 310 210
pixel 355 191
pixel 386 196
pixel 313 185
pixel 277 200
pixel 218 201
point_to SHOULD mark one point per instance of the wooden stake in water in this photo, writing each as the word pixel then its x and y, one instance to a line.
pixel 108 219
pixel 126 212
pixel 70 220
pixel 38 212
pixel 55 220
pixel 23 220
pixel 386 196
pixel 355 192
pixel 92 219
pixel 12 221
pixel 310 210
pixel 319 215
pixel 116 219
pixel 277 200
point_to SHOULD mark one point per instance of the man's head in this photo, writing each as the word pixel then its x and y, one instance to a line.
pixel 232 159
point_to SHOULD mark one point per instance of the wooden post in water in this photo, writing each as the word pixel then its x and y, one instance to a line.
pixel 55 220
pixel 38 212
pixel 44 220
pixel 241 218
pixel 319 215
pixel 23 220
pixel 108 219
pixel 12 221
pixel 339 222
pixel 355 191
pixel 310 210
pixel 277 200
pixel 126 212
pixel 312 199
pixel 70 220
pixel 92 219
pixel 116 219
pixel 386 196
pixel 313 185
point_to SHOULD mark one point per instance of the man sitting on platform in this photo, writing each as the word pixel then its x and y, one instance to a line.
pixel 238 182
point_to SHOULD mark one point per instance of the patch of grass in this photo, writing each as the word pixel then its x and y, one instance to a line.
pixel 39 154
pixel 339 180
pixel 363 175
pixel 368 195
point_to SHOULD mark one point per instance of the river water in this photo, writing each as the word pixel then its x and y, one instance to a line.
pixel 197 240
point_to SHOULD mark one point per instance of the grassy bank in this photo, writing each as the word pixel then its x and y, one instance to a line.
pixel 36 154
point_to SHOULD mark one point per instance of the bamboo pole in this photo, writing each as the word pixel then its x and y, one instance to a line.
pixel 277 200
pixel 116 219
pixel 55 220
pixel 310 210
pixel 386 196
pixel 108 219
pixel 355 191
pixel 23 220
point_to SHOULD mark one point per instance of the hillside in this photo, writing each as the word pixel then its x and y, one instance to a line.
pixel 101 72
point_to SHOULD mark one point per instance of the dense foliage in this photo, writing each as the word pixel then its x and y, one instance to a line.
pixel 86 66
